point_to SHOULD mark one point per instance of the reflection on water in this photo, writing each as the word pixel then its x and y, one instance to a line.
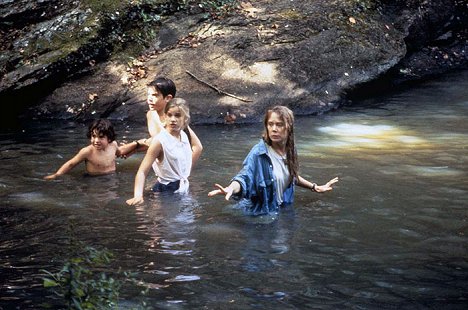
pixel 391 235
pixel 356 136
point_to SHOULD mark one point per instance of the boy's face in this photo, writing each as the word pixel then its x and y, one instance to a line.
pixel 155 100
pixel 99 141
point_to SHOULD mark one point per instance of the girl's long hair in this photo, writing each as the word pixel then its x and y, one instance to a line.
pixel 288 118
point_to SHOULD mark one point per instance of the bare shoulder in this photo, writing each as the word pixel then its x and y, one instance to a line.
pixel 155 141
pixel 85 153
pixel 152 115
pixel 87 150
pixel 115 147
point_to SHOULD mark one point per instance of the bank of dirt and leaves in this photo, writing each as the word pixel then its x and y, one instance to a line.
pixel 85 59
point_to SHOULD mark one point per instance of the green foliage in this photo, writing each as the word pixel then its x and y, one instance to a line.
pixel 215 8
pixel 364 5
pixel 82 282
pixel 219 8
pixel 291 14
pixel 105 5
pixel 108 27
pixel 81 285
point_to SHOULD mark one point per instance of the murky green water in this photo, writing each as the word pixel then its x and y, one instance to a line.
pixel 392 235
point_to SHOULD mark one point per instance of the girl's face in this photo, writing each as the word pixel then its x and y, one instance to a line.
pixel 276 129
pixel 100 142
pixel 175 120
pixel 155 100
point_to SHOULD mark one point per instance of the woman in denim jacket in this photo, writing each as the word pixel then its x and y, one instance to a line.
pixel 270 170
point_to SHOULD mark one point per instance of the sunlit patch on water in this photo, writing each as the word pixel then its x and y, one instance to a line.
pixel 346 129
pixel 218 229
pixel 38 199
pixel 184 278
pixel 261 294
pixel 423 171
pixel 442 171
pixel 349 136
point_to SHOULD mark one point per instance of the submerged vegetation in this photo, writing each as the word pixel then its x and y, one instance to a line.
pixel 80 285
pixel 83 282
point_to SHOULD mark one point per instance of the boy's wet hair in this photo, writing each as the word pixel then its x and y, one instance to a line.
pixel 102 127
pixel 164 85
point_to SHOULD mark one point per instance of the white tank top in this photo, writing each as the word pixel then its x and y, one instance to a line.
pixel 177 161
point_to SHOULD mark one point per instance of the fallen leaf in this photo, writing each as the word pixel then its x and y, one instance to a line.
pixel 230 118
pixel 141 72
pixel 92 97
pixel 124 79
pixel 245 5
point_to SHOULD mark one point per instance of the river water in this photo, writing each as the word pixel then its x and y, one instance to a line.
pixel 392 234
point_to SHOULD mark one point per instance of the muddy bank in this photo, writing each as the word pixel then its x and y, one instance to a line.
pixel 305 54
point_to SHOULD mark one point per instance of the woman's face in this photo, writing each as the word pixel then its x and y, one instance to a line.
pixel 175 120
pixel 276 128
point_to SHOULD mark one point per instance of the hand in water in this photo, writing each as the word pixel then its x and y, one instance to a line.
pixel 326 187
pixel 227 191
pixel 50 177
pixel 135 201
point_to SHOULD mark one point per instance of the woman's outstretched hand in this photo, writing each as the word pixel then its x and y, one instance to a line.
pixel 326 187
pixel 227 191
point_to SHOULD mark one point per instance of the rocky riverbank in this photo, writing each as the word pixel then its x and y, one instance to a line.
pixel 308 55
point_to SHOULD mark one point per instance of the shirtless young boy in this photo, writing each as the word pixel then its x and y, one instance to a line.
pixel 99 156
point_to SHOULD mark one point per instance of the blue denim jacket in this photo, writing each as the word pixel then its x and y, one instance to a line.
pixel 258 185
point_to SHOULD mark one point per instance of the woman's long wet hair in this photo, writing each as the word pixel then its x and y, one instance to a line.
pixel 184 108
pixel 287 117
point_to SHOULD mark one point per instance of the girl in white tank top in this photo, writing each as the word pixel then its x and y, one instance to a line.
pixel 169 154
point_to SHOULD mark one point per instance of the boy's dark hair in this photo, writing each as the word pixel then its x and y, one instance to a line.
pixel 102 127
pixel 164 85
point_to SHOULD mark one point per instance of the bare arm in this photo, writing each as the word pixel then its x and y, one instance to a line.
pixel 314 187
pixel 197 147
pixel 233 188
pixel 154 123
pixel 141 145
pixel 117 149
pixel 153 152
pixel 69 165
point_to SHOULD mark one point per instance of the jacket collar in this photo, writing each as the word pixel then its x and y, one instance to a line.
pixel 262 147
